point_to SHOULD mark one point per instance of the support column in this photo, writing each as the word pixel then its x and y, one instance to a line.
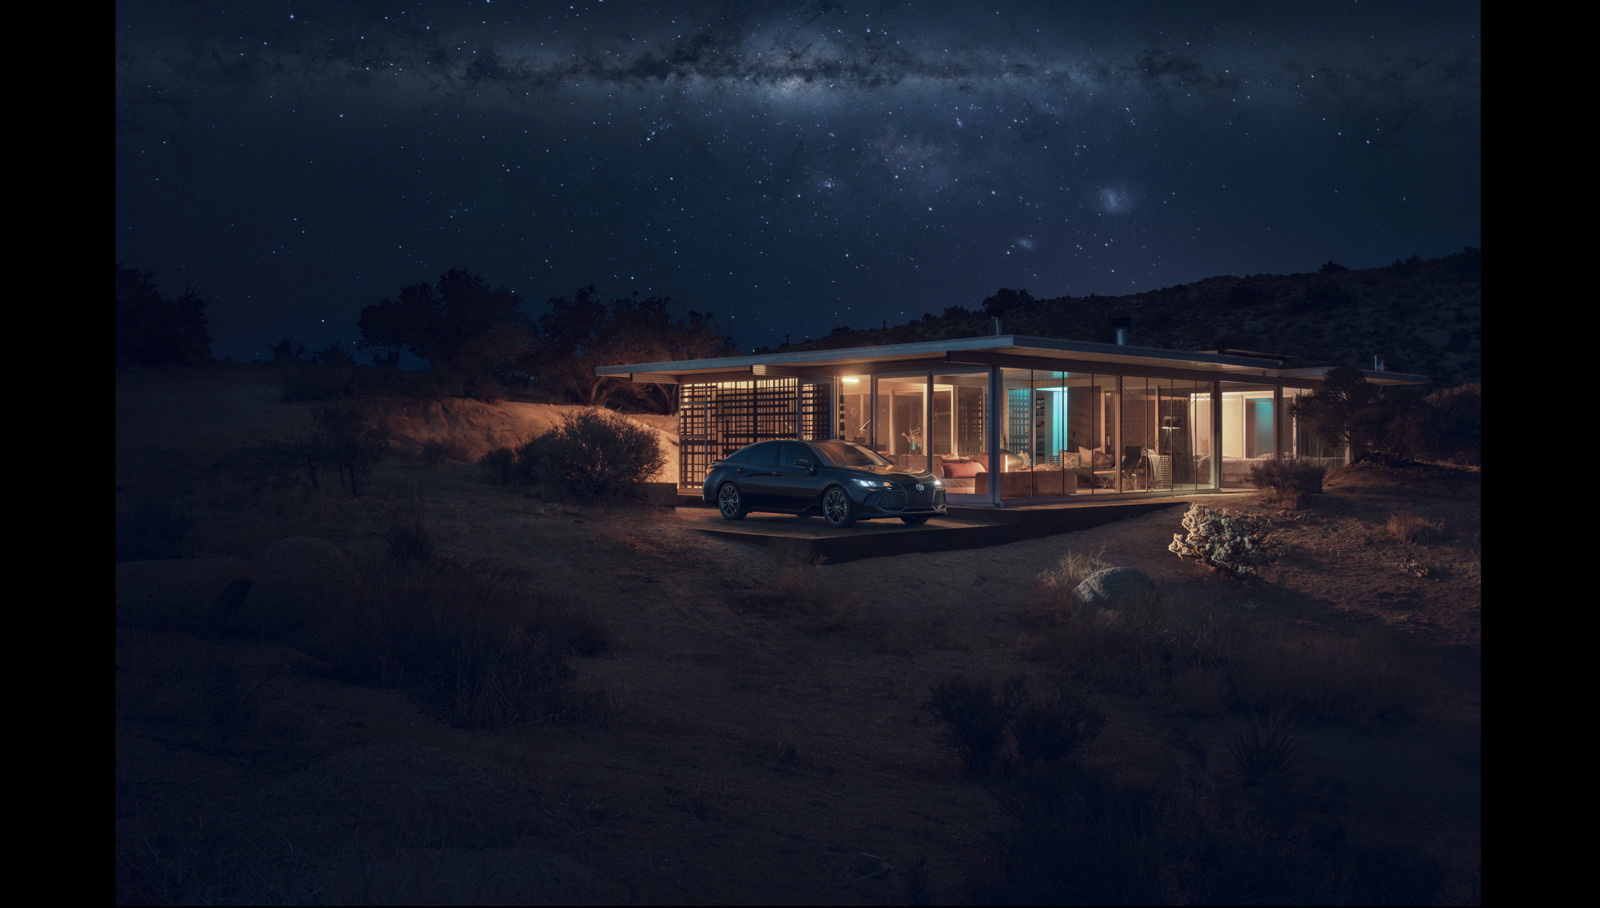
pixel 1216 434
pixel 996 398
pixel 1278 420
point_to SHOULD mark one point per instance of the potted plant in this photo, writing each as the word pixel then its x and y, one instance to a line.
pixel 914 437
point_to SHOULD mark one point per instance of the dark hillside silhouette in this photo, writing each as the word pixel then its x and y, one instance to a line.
pixel 1416 315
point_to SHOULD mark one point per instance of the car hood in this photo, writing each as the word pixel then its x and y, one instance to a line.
pixel 894 473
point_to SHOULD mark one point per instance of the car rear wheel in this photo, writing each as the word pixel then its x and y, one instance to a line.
pixel 837 508
pixel 915 521
pixel 730 501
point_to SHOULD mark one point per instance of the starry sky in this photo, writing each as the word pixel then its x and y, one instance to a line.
pixel 791 167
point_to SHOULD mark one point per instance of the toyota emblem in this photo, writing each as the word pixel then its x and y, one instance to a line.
pixel 919 487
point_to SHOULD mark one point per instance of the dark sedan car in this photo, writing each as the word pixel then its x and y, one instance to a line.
pixel 842 481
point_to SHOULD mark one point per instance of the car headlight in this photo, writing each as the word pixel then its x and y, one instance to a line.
pixel 874 484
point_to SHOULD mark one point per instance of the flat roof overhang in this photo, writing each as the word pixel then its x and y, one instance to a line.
pixel 999 350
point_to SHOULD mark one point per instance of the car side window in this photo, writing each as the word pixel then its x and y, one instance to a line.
pixel 764 454
pixel 792 453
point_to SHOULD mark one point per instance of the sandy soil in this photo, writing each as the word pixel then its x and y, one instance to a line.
pixel 763 723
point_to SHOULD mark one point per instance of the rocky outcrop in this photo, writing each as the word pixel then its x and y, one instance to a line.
pixel 1115 587
pixel 298 579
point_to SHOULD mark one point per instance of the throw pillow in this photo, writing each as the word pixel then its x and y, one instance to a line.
pixel 962 469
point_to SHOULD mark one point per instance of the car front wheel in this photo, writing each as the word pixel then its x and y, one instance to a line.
pixel 730 501
pixel 837 508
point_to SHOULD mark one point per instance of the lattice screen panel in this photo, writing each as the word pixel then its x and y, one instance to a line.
pixel 716 419
pixel 816 411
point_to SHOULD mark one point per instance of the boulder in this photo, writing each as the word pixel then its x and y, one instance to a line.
pixel 299 579
pixel 1114 587
pixel 189 594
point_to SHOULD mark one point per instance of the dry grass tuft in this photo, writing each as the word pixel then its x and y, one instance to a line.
pixel 1072 569
pixel 1405 526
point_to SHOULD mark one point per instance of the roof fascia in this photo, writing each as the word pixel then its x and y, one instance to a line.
pixel 1109 358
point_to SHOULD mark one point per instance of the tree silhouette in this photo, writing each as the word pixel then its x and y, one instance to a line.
pixel 581 333
pixel 153 330
pixel 1347 409
pixel 459 324
pixel 1005 299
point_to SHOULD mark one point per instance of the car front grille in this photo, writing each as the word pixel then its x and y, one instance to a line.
pixel 907 496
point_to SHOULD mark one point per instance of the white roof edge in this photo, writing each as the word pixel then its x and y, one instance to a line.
pixel 921 348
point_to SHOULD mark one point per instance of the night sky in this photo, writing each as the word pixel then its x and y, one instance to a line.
pixel 791 167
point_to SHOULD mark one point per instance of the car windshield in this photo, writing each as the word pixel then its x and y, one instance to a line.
pixel 848 454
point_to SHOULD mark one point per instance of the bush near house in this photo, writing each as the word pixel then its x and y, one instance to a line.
pixel 1289 478
pixel 593 454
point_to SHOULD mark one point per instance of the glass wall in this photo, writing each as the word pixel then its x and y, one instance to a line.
pixel 1249 430
pixel 1054 439
pixel 1082 433
pixel 854 409
pixel 958 437
pixel 900 419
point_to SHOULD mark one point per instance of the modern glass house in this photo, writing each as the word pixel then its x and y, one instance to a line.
pixel 1007 419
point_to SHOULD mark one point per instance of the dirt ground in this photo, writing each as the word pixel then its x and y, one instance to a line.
pixel 763 735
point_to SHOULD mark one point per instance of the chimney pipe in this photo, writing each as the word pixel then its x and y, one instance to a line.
pixel 1122 324
pixel 997 326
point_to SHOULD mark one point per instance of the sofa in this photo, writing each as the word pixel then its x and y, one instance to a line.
pixel 1018 479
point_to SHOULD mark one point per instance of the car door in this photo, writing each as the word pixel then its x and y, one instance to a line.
pixel 757 477
pixel 794 486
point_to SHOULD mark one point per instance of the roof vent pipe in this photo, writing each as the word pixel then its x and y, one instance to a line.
pixel 1122 324
pixel 997 326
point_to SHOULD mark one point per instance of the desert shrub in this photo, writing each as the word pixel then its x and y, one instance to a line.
pixel 1071 570
pixel 593 454
pixel 1009 724
pixel 1405 526
pixel 1233 543
pixel 499 467
pixel 1049 727
pixel 483 649
pixel 1261 751
pixel 1289 477
pixel 409 540
pixel 1074 839
pixel 977 712
pixel 1165 648
pixel 345 439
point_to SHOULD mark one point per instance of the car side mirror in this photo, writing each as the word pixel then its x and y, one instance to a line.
pixel 805 463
